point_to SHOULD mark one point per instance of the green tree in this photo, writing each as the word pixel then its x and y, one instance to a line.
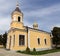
pixel 4 39
pixel 1 40
pixel 56 36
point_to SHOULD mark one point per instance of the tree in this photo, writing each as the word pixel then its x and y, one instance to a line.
pixel 4 39
pixel 1 40
pixel 56 36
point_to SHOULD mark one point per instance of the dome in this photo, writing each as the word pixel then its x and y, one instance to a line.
pixel 35 25
pixel 17 9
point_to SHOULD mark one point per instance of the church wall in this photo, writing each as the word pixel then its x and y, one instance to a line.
pixel 16 45
pixel 33 42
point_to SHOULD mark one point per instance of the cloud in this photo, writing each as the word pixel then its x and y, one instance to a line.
pixel 46 16
pixel 55 25
pixel 4 24
pixel 43 11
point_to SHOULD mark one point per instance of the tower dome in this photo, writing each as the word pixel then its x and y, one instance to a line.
pixel 17 9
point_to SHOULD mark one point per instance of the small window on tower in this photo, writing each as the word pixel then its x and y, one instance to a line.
pixel 18 19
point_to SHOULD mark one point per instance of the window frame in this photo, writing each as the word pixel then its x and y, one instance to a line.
pixel 21 43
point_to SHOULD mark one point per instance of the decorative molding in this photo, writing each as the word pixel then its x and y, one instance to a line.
pixel 14 29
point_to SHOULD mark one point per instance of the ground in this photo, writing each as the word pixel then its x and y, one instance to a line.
pixel 4 52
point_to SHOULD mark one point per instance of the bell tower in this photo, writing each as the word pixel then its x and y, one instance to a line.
pixel 17 18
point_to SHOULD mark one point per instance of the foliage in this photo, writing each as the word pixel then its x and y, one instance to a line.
pixel 1 40
pixel 27 49
pixel 4 39
pixel 56 36
pixel 40 52
pixel 34 50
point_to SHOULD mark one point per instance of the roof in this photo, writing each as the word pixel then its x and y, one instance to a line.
pixel 37 29
pixel 17 9
pixel 30 28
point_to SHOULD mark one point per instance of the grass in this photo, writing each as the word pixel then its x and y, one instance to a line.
pixel 39 52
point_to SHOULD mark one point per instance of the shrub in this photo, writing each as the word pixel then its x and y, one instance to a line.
pixel 27 49
pixel 34 50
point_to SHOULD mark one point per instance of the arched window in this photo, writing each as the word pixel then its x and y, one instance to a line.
pixel 45 41
pixel 18 19
pixel 38 41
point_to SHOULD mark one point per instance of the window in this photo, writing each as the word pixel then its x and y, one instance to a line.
pixel 18 19
pixel 21 40
pixel 45 41
pixel 38 41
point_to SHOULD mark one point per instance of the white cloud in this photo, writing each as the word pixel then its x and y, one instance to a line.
pixel 4 24
pixel 43 11
pixel 7 5
pixel 55 25
pixel 51 22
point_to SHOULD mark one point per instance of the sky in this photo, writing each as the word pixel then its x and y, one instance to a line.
pixel 45 12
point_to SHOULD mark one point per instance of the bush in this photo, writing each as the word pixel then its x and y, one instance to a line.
pixel 34 50
pixel 27 49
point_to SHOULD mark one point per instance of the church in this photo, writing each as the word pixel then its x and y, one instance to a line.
pixel 20 37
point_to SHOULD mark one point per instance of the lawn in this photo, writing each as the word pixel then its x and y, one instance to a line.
pixel 39 52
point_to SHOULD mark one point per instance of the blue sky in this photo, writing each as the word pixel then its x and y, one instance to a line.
pixel 45 12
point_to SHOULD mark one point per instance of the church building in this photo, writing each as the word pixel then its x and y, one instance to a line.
pixel 20 37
